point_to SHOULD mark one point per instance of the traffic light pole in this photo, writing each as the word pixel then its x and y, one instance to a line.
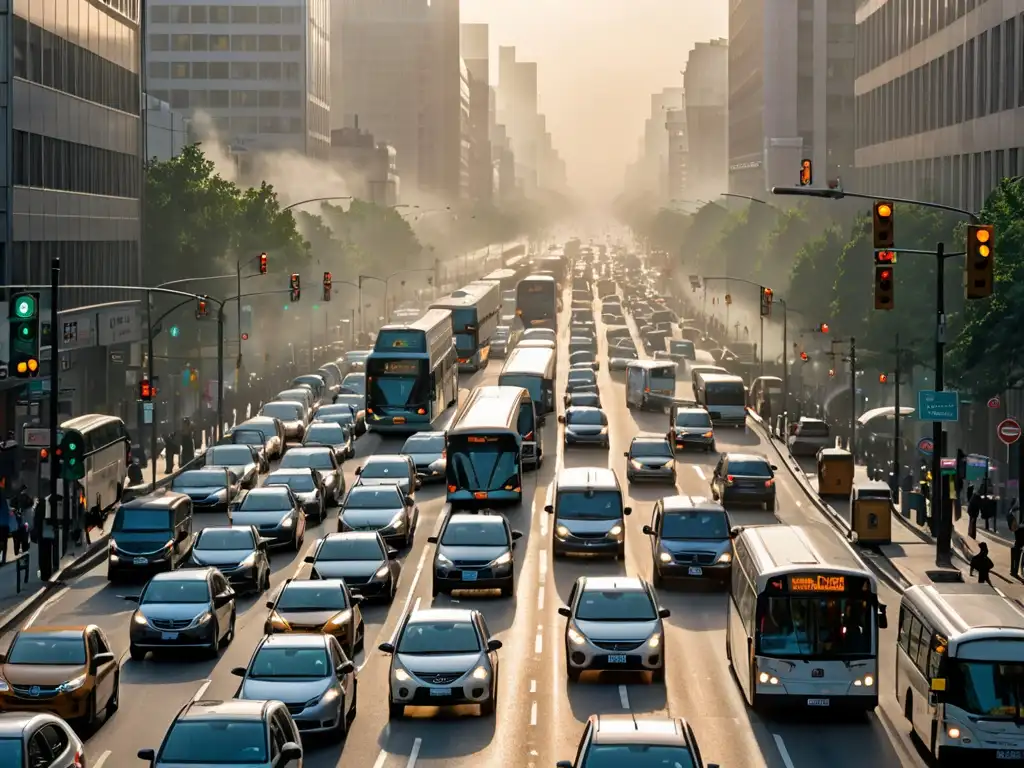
pixel 151 331
pixel 48 547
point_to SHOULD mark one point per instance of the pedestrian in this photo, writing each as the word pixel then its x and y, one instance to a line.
pixel 186 443
pixel 1017 549
pixel 973 510
pixel 7 521
pixel 982 563
pixel 170 449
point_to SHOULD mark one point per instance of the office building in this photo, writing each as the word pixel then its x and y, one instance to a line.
pixel 260 72
pixel 940 100
pixel 474 45
pixel 167 131
pixel 370 169
pixel 706 85
pixel 648 175
pixel 677 161
pixel 790 91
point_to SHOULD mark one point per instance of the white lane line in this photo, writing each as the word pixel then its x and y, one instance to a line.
pixel 798 503
pixel 415 581
pixel 302 562
pixel 414 753
pixel 540 598
pixel 533 714
pixel 623 697
pixel 416 605
pixel 533 686
pixel 543 564
pixel 544 524
pixel 202 689
pixel 700 471
pixel 381 759
pixel 101 760
pixel 538 643
pixel 783 752
pixel 38 611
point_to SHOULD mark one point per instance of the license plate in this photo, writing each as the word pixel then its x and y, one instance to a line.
pixel 695 571
pixel 168 635
pixel 440 692
pixel 1009 754
pixel 617 659
pixel 399 420
pixel 817 702
pixel 469 575
pixel 140 561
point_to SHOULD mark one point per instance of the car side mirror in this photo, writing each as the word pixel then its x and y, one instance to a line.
pixel 359 470
pixel 100 659
pixel 357 599
pixel 561 419
pixel 409 500
pixel 664 613
pixel 517 535
pixel 627 511
pixel 774 468
pixel 148 755
pixel 386 648
pixel 648 531
pixel 238 671
pixel 712 765
pixel 181 537
pixel 392 553
pixel 309 559
pixel 549 509
pixel 290 751
pixel 883 617
pixel 564 611
pixel 131 598
pixel 563 764
pixel 431 539
pixel 494 645
pixel 735 531
pixel 346 668
pixel 270 604
pixel 626 454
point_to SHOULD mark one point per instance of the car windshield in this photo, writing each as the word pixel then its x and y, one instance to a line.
pixel 582 377
pixel 813 429
pixel 593 418
pixel 312 596
pixel 352 401
pixel 249 437
pixel 331 434
pixel 424 444
pixel 265 500
pixel 581 355
pixel 589 505
pixel 475 534
pixel 615 605
pixel 282 410
pixel 383 469
pixel 650 449
pixel 129 520
pixel 309 663
pixel 48 650
pixel 215 742
pixel 985 688
pixel 310 459
pixel 339 550
pixel 588 399
pixel 748 468
pixel 11 752
pixel 818 627
pixel 228 456
pixel 695 524
pixel 356 382
pixel 638 756
pixel 298 483
pixel 200 478
pixel 184 591
pixel 693 419
pixel 439 637
pixel 220 538
pixel 369 497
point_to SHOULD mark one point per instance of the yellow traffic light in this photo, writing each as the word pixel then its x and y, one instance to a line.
pixel 805 173
pixel 884 210
pixel 22 367
pixel 979 265
pixel 33 365
pixel 882 225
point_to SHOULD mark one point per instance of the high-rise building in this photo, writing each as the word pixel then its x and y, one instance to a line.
pixel 939 99
pixel 790 91
pixel 474 44
pixel 706 85
pixel 677 162
pixel 370 169
pixel 260 72
pixel 525 138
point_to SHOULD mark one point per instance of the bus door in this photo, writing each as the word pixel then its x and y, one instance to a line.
pixel 635 383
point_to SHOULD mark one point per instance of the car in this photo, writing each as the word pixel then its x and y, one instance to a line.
pixel 354 360
pixel 69 672
pixel 614 623
pixel 210 489
pixel 354 382
pixel 368 565
pixel 682 350
pixel 540 333
pixel 389 469
pixel 588 513
pixel 650 457
pixel 298 394
pixel 324 461
pixel 238 552
pixel 276 512
pixel 238 459
pixel 150 533
pixel 308 487
pixel 584 359
pixel 381 508
pixel 744 478
pixel 427 451
pixel 343 415
pixel 620 356
pixel 637 741
pixel 324 434
pixel 612 318
pixel 291 413
pixel 442 657
pixel 585 342
pixel 691 427
pixel 183 610
pixel 612 335
pixel 318 605
pixel 33 739
pixel 474 551
pixel 257 442
pixel 808 436
pixel 584 399
pixel 691 539
pixel 357 403
pixel 581 379
pixel 316 382
pixel 584 425
pixel 274 440
pixel 311 674
pixel 213 733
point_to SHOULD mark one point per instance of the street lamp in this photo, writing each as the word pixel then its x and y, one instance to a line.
pixel 316 200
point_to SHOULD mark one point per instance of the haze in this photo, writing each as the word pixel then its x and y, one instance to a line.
pixel 598 62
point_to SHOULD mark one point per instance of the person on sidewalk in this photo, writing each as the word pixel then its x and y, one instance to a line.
pixel 186 443
pixel 7 522
pixel 973 510
pixel 1017 549
pixel 982 563
pixel 170 448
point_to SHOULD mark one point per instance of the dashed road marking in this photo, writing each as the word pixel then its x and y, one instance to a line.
pixel 623 697
pixel 414 753
pixel 540 598
pixel 533 686
pixel 202 689
pixel 538 643
pixel 533 713
pixel 101 759
pixel 543 565
pixel 381 759
pixel 544 524
pixel 783 752
pixel 700 471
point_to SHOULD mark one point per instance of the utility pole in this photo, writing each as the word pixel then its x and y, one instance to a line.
pixel 51 552
pixel 853 397
pixel 896 471
pixel 944 528
pixel 785 356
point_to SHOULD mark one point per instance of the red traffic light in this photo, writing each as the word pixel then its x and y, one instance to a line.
pixel 804 356
pixel 885 274
pixel 245 337
pixel 885 257
pixel 263 263
pixel 882 378
pixel 831 371
pixel 823 328
pixel 145 390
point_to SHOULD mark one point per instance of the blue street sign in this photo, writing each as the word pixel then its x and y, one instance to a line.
pixel 938 406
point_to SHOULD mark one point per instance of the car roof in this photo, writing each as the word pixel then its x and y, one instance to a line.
pixel 809 420
pixel 683 503
pixel 424 436
pixel 584 408
pixel 160 502
pixel 696 409
pixel 62 632
pixel 267 490
pixel 471 517
pixel 346 535
pixel 296 639
pixel 614 583
pixel 16 723
pixel 382 457
pixel 183 574
pixel 306 450
pixel 231 709
pixel 290 471
pixel 747 457
pixel 312 583
pixel 642 729
pixel 586 478
pixel 649 439
pixel 424 615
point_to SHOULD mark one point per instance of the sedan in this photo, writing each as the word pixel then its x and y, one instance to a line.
pixel 744 478
pixel 311 674
pixel 318 605
pixel 210 489
pixel 612 318
pixel 273 434
pixel 614 624
pixel 427 451
pixel 637 741
pixel 540 333
pixel 291 414
pixel 369 567
pixel 276 513
pixel 585 426
pixel 20 729
pixel 584 359
pixel 354 382
pixel 238 552
pixel 691 428
pixel 581 380
pixel 322 460
pixel 474 551
pixel 333 436
pixel 442 657
pixel 650 458
pixel 381 508
pixel 691 538
pixel 358 404
pixel 238 459
pixel 307 486
pixel 584 399
pixel 343 415
pixel 256 441
pixel 391 469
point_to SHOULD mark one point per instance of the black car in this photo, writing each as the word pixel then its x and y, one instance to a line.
pixel 239 459
pixel 152 533
pixel 277 514
pixel 323 460
pixel 210 489
pixel 308 487
pixel 650 458
pixel 583 398
pixel 690 427
pixel 325 434
pixel 744 478
pixel 238 552
pixel 585 426
pixel 427 451
pixel 369 566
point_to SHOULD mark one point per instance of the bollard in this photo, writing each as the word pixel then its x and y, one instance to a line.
pixel 22 570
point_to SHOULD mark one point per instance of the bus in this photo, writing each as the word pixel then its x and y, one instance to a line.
pixel 475 311
pixel 107 454
pixel 960 673
pixel 803 619
pixel 484 448
pixel 650 384
pixel 508 279
pixel 534 369
pixel 724 396
pixel 537 302
pixel 554 263
pixel 411 375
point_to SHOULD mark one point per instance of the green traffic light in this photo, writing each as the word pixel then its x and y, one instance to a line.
pixel 286 306
pixel 175 331
pixel 25 307
pixel 71 462
pixel 25 330
pixel 72 447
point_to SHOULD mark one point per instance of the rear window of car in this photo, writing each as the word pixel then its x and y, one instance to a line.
pixel 813 429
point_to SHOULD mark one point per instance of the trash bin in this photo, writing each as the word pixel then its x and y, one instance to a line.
pixel 916 503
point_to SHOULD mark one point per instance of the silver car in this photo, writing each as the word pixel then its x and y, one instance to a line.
pixel 310 673
pixel 427 451
pixel 474 551
pixel 358 404
pixel 276 513
pixel 329 435
pixel 614 623
pixel 442 657
pixel 238 459
pixel 19 729
pixel 389 470
pixel 210 489
pixel 381 508
pixel 369 567
pixel 291 414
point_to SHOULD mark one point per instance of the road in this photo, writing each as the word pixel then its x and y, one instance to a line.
pixel 540 714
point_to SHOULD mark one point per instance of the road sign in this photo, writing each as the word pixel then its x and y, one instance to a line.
pixel 1008 431
pixel 938 406
pixel 728 298
pixel 926 446
pixel 36 437
pixel 947 467
pixel 993 402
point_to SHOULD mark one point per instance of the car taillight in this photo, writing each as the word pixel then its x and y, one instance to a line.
pixel 769 483
pixel 79 760
pixel 369 410
pixel 728 478
pixel 529 436
pixel 421 411
pixel 451 489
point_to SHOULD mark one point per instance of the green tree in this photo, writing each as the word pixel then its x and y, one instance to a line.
pixel 737 251
pixel 261 225
pixel 813 277
pixel 376 237
pixel 792 229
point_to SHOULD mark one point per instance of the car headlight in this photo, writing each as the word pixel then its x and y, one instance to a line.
pixel 287 521
pixel 249 561
pixel 562 532
pixel 140 618
pixel 480 673
pixel 709 435
pixel 442 560
pixel 635 464
pixel 867 681
pixel 576 637
pixel 766 679
pixel 616 530
pixel 72 685
pixel 4 685
pixel 401 675
pixel 341 618
pixel 725 557
pixel 203 618
pixel 329 695
pixel 655 640
pixel 665 557
pixel 382 572
pixel 504 559
pixel 277 620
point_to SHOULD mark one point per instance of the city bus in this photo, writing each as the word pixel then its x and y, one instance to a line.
pixel 537 302
pixel 411 375
pixel 507 279
pixel 484 448
pixel 107 452
pixel 534 369
pixel 960 673
pixel 803 619
pixel 475 310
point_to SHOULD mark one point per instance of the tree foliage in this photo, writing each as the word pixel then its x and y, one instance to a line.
pixel 371 238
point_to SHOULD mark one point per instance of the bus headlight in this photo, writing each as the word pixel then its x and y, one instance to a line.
pixel 767 679
pixel 867 681
pixel 562 532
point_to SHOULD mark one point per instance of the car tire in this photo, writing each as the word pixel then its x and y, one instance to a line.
pixel 434 589
pixel 340 732
pixel 231 629
pixel 395 711
pixel 509 588
pixel 573 674
pixel 136 653
pixel 656 578
pixel 114 702
pixel 360 639
pixel 488 707
pixel 620 553
pixel 214 649
pixel 658 675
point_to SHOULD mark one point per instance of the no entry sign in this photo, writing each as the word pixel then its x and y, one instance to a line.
pixel 1008 431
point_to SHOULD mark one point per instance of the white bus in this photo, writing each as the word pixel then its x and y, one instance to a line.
pixel 107 453
pixel 960 673
pixel 803 619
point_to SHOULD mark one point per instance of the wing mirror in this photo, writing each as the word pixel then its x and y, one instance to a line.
pixel 309 559
pixel 517 535
pixel 664 613
pixel 100 659
pixel 431 539
pixel 346 668
pixel 561 419
pixel 181 537
pixel 735 531
pixel 392 553
pixel 774 468
pixel 563 764
pixel 132 598
pixel 357 599
pixel 626 454
pixel 290 751
pixel 549 509
pixel 564 611
pixel 386 648
pixel 270 604
pixel 648 531
pixel 359 470
pixel 627 511
pixel 238 671
pixel 494 645
pixel 409 501
pixel 149 755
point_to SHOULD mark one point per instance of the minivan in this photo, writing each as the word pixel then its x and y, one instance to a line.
pixel 150 534
pixel 589 513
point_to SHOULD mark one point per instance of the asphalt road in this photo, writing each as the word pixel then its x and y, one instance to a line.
pixel 540 714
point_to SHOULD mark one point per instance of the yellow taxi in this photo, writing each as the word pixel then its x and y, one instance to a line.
pixel 318 605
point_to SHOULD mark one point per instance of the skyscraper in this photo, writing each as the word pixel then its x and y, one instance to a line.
pixel 475 51
pixel 706 85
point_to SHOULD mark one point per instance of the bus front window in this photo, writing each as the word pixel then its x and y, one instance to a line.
pixel 531 384
pixel 483 463
pixel 986 688
pixel 397 383
pixel 465 344
pixel 799 627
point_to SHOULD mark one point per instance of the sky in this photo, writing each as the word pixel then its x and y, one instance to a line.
pixel 598 62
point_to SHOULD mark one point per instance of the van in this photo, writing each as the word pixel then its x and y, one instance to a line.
pixel 589 513
pixel 696 371
pixel 650 384
pixel 724 396
pixel 149 535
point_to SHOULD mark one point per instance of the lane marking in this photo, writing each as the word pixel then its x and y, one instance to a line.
pixel 533 714
pixel 798 503
pixel 45 606
pixel 543 564
pixel 783 752
pixel 533 686
pixel 544 524
pixel 381 759
pixel 623 697
pixel 538 644
pixel 414 753
pixel 202 689
pixel 540 598
pixel 101 760
pixel 415 581
pixel 700 471
pixel 416 605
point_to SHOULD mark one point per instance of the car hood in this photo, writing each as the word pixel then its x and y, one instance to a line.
pixel 585 429
pixel 38 674
pixel 141 543
pixel 456 662
pixel 288 690
pixel 238 470
pixel 217 557
pixel 589 526
pixel 402 483
pixel 240 517
pixel 201 491
pixel 315 619
pixel 653 462
pixel 339 569
pixel 691 545
pixel 365 518
pixel 471 554
pixel 617 630
pixel 307 497
pixel 177 611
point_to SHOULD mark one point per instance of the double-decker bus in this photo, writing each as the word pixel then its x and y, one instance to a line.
pixel 537 302
pixel 507 279
pixel 475 310
pixel 803 619
pixel 411 375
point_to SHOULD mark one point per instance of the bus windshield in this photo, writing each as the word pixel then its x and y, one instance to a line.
pixel 986 688
pixel 399 383
pixel 465 343
pixel 725 393
pixel 824 627
pixel 536 300
pixel 483 463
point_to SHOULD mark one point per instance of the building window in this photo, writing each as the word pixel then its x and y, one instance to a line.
pixel 270 43
pixel 244 124
pixel 244 14
pixel 270 98
pixel 181 42
pixel 270 70
pixel 180 70
pixel 220 43
pixel 200 14
pixel 219 70
pixel 158 42
pixel 179 99
pixel 220 14
pixel 244 98
pixel 179 14
pixel 200 42
pixel 220 99
pixel 198 99
pixel 291 42
pixel 291 99
pixel 159 70
pixel 292 73
pixel 291 14
pixel 244 70
pixel 244 42
pixel 1009 56
pixel 269 14
pixel 200 70
pixel 158 14
pixel 48 163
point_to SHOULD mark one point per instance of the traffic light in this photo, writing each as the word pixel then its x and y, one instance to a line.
pixel 766 301
pixel 71 455
pixel 823 328
pixel 145 391
pixel 24 335
pixel 885 283
pixel 805 173
pixel 979 263
pixel 883 378
pixel 327 286
pixel 293 283
pixel 831 372
pixel 804 356
pixel 263 263
pixel 202 310
pixel 882 225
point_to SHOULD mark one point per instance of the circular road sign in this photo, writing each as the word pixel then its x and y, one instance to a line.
pixel 993 402
pixel 926 446
pixel 1008 431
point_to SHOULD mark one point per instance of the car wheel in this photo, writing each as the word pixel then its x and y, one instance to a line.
pixel 360 638
pixel 620 554
pixel 89 719
pixel 434 590
pixel 231 629
pixel 489 706
pixel 136 653
pixel 341 729
pixel 658 675
pixel 215 643
pixel 573 674
pixel 509 588
pixel 656 578
pixel 395 711
pixel 296 541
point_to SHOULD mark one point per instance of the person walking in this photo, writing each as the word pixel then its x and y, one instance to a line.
pixel 186 443
pixel 7 521
pixel 973 510
pixel 170 448
pixel 1017 549
pixel 982 563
